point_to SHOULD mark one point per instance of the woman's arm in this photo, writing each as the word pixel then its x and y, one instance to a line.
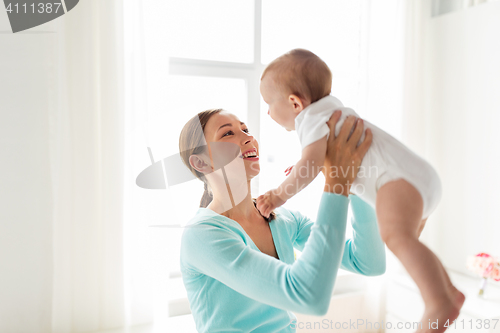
pixel 304 287
pixel 364 253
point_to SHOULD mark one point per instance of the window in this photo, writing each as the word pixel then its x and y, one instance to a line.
pixel 217 54
pixel 210 55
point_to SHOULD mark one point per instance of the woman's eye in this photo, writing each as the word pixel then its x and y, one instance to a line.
pixel 229 132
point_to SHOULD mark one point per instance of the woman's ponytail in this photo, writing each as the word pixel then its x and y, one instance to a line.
pixel 192 142
pixel 207 196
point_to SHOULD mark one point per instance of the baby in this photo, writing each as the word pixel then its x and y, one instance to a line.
pixel 403 188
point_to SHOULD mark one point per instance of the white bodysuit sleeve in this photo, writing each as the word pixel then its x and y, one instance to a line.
pixel 311 125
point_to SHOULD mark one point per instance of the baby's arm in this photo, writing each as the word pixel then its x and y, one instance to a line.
pixel 303 173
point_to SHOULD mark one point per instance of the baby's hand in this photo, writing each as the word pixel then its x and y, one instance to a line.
pixel 288 170
pixel 267 202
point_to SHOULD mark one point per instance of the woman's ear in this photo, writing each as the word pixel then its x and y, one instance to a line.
pixel 297 103
pixel 199 164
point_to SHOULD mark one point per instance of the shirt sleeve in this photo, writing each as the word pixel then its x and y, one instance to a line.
pixel 364 252
pixel 312 128
pixel 304 286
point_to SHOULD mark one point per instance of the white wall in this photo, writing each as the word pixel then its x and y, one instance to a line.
pixel 462 112
pixel 26 88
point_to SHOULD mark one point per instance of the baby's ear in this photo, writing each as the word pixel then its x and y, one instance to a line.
pixel 296 102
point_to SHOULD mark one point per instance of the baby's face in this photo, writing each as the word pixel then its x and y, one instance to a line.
pixel 280 108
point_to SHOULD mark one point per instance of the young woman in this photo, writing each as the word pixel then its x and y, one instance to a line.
pixel 239 267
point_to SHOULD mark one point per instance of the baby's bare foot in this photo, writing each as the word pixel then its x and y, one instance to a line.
pixel 444 313
pixel 457 297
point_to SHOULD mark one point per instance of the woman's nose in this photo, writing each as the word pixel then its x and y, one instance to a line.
pixel 248 139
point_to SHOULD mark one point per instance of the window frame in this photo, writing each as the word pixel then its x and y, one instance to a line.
pixel 249 72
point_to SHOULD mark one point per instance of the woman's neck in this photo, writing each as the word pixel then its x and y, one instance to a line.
pixel 241 211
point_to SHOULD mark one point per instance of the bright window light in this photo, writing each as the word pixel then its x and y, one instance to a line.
pixel 220 30
pixel 328 28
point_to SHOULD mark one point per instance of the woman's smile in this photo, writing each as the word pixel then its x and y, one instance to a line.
pixel 251 158
pixel 250 154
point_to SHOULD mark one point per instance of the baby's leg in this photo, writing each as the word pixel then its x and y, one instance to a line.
pixel 399 212
pixel 455 295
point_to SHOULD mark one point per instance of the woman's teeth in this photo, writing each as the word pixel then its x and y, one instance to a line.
pixel 250 154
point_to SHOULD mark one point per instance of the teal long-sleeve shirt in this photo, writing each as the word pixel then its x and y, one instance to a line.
pixel 233 287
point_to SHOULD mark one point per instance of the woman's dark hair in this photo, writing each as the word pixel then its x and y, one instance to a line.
pixel 192 142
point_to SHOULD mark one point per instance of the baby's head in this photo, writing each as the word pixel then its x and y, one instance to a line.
pixel 293 81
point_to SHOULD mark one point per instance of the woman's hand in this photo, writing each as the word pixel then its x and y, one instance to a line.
pixel 343 156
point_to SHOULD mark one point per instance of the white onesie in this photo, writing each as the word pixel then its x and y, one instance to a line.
pixel 387 159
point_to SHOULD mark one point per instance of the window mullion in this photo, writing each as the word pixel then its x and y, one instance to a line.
pixel 253 91
pixel 257 46
pixel 249 72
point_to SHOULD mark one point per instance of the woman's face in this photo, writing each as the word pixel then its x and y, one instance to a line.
pixel 226 127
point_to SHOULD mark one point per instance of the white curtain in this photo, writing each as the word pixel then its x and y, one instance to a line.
pixel 149 258
pixel 449 108
pixel 110 270
pixel 87 158
pixel 64 238
pixel 460 77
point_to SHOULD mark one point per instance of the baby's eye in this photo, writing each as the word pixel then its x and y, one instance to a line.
pixel 246 130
